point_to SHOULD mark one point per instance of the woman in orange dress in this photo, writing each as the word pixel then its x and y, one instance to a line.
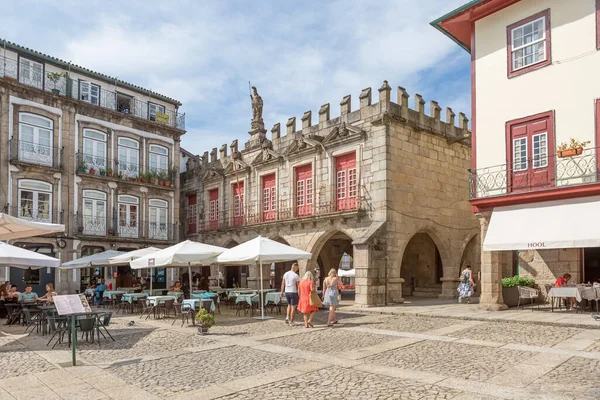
pixel 305 286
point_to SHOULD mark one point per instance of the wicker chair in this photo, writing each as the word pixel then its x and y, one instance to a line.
pixel 528 293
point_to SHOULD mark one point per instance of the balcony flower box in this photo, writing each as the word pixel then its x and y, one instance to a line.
pixel 569 152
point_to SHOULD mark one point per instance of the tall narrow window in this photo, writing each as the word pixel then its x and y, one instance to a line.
pixel 213 208
pixel 89 92
pixel 238 203
pixel 129 157
pixel 35 200
pixel 269 198
pixel 345 189
pixel 159 159
pixel 94 213
pixel 94 149
pixel 158 219
pixel 35 139
pixel 529 43
pixel 191 213
pixel 154 108
pixel 128 216
pixel 31 73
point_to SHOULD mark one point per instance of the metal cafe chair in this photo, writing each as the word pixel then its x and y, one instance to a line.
pixel 528 293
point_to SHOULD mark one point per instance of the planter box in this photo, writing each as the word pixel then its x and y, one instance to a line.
pixel 569 152
pixel 510 296
pixel 203 330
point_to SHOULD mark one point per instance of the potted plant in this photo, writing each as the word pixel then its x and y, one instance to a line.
pixel 205 321
pixel 81 166
pixel 161 177
pixel 172 175
pixel 102 172
pixel 142 177
pixel 55 77
pixel 153 177
pixel 510 293
pixel 573 148
pixel 92 171
pixel 109 172
pixel 120 175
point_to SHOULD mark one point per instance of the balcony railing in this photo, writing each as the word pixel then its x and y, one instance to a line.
pixel 65 86
pixel 106 167
pixel 535 175
pixel 123 228
pixel 325 204
pixel 33 153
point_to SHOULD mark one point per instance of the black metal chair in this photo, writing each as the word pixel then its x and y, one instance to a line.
pixel 13 311
pixel 58 327
pixel 32 319
pixel 147 308
pixel 102 324
pixel 87 325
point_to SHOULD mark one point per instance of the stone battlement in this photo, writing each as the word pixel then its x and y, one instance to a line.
pixel 452 128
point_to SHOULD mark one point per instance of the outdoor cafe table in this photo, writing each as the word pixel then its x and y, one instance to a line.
pixel 565 292
pixel 129 289
pixel 177 295
pixel 273 297
pixel 130 297
pixel 216 289
pixel 193 303
pixel 155 292
pixel 206 295
pixel 155 300
pixel 109 293
pixel 248 298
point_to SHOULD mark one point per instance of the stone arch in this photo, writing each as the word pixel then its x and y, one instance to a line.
pixel 233 274
pixel 230 242
pixel 315 245
pixel 471 254
pixel 424 260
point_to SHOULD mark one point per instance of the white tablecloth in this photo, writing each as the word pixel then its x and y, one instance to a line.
pixel 566 292
pixel 193 303
pixel 154 300
pixel 109 293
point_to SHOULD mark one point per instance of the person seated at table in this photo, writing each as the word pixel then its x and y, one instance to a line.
pixel 176 287
pixel 3 298
pixel 50 293
pixel 99 292
pixel 14 293
pixel 564 281
pixel 28 296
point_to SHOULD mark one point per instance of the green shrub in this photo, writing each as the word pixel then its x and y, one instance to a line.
pixel 205 318
pixel 517 281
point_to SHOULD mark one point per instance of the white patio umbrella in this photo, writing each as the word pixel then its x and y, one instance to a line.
pixel 261 249
pixel 126 258
pixel 17 228
pixel 21 258
pixel 347 272
pixel 95 260
pixel 184 254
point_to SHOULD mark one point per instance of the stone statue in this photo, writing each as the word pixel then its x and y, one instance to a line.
pixel 257 105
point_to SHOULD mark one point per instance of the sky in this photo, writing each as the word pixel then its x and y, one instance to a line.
pixel 300 54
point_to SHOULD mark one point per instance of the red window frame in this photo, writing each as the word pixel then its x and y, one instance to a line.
pixel 304 190
pixel 269 198
pixel 191 213
pixel 548 47
pixel 345 182
pixel 213 208
pixel 238 203
pixel 530 182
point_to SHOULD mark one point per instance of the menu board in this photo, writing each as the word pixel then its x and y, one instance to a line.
pixel 72 304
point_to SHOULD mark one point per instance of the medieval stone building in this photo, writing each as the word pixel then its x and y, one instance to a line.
pixel 383 183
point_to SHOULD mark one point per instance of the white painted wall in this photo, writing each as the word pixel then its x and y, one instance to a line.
pixel 569 85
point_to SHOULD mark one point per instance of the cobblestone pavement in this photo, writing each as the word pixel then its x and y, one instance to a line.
pixel 168 376
pixel 454 359
pixel 340 383
pixel 510 332
pixel 365 356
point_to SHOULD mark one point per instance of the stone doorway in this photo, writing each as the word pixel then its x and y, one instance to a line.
pixel 421 267
pixel 337 249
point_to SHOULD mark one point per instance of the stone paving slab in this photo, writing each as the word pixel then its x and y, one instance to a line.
pixel 22 362
pixel 577 377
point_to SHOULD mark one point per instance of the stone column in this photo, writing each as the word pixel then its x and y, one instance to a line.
pixel 254 276
pixel 492 263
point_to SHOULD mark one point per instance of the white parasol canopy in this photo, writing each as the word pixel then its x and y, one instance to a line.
pixel 184 254
pixel 22 258
pixel 126 258
pixel 347 272
pixel 17 228
pixel 95 260
pixel 261 249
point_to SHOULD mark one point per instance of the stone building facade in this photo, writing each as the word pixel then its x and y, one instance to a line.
pixel 383 183
pixel 79 148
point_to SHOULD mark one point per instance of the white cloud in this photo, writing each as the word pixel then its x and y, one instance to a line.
pixel 299 55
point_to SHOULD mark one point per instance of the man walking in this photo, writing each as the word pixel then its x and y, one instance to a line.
pixel 289 284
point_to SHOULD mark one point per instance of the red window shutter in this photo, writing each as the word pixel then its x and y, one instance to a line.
pixel 346 182
pixel 304 190
pixel 269 199
pixel 213 208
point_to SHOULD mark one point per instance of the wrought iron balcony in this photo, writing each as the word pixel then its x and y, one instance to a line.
pixel 92 225
pixel 34 153
pixel 324 204
pixel 65 86
pixel 537 174
pixel 132 228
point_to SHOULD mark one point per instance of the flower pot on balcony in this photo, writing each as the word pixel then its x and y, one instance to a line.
pixel 92 171
pixel 55 91
pixel 116 175
pixel 569 152
pixel 161 183
pixel 168 183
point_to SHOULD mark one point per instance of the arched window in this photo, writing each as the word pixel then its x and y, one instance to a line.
pixel 35 139
pixel 129 157
pixel 94 213
pixel 35 200
pixel 94 149
pixel 159 159
pixel 129 216
pixel 158 217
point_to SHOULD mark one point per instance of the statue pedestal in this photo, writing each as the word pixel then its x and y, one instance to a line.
pixel 258 133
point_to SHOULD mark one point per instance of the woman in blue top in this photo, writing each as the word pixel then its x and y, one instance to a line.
pixel 331 290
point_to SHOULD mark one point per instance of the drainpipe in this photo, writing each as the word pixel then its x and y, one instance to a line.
pixel 386 279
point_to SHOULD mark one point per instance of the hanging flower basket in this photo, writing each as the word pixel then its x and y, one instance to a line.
pixel 571 148
pixel 569 152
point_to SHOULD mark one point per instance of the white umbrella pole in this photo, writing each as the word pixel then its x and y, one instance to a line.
pixel 190 278
pixel 262 306
pixel 150 281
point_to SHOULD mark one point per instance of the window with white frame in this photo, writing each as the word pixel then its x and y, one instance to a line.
pixel 300 193
pixel 35 139
pixel 266 199
pixel 213 210
pixel 238 205
pixel 540 150
pixel 309 191
pixel 520 154
pixel 31 73
pixel 94 213
pixel 341 184
pixel 154 108
pixel 129 157
pixel 128 216
pixel 94 149
pixel 35 200
pixel 528 43
pixel 273 198
pixel 159 159
pixel 158 219
pixel 352 184
pixel 89 92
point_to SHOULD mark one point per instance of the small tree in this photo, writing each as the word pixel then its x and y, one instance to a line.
pixel 55 77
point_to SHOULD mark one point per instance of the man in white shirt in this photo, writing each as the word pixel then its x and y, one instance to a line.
pixel 289 286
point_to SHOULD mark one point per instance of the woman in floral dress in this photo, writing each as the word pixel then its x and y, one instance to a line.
pixel 466 286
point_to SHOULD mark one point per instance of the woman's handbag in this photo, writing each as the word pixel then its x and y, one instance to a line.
pixel 314 300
